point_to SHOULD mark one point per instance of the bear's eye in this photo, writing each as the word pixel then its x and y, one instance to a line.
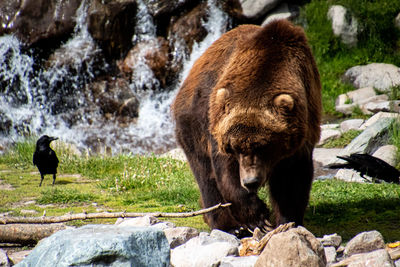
pixel 284 101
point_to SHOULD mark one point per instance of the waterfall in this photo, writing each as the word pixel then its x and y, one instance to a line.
pixel 27 92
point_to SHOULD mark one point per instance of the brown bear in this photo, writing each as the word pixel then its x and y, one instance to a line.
pixel 248 115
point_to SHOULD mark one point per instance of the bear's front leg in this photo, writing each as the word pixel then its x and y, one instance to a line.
pixel 247 208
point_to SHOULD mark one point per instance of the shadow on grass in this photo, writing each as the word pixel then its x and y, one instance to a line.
pixel 349 219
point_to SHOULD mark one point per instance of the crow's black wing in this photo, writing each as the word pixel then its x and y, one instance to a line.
pixel 375 167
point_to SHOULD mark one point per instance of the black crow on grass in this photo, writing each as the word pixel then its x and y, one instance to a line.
pixel 45 158
pixel 369 165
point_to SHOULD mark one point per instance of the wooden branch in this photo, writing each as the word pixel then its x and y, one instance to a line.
pixel 106 215
pixel 27 234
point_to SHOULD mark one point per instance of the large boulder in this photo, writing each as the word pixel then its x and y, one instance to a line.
pixel 102 245
pixel 295 247
pixel 111 23
pixel 38 20
pixel 205 250
pixel 344 25
pixel 381 76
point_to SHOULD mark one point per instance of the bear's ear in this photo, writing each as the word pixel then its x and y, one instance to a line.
pixel 284 101
pixel 221 95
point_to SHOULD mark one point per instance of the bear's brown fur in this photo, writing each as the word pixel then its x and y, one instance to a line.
pixel 248 115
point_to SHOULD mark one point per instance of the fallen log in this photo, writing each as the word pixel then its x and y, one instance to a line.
pixel 27 234
pixel 105 215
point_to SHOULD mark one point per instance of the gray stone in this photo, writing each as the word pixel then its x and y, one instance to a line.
pixel 295 247
pixel 330 254
pixel 325 155
pixel 254 9
pixel 200 251
pixel 353 124
pixel 225 237
pixel 349 175
pixel 384 106
pixel 231 261
pixel 102 245
pixel 365 242
pixel 369 140
pixel 377 258
pixel 344 25
pixel 327 135
pixel 330 126
pixel 377 75
pixel 18 256
pixel 333 240
pixel 387 153
pixel 179 235
pixel 4 262
pixel 377 117
pixel 283 11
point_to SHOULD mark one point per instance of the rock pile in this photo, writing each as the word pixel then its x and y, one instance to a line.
pixel 146 241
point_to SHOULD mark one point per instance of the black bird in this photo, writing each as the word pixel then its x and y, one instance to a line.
pixel 369 165
pixel 45 158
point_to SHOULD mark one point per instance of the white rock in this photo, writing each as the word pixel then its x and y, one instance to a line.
pixel 333 240
pixel 327 135
pixel 254 9
pixel 364 242
pixel 353 124
pixel 4 262
pixel 202 251
pixel 231 261
pixel 325 155
pixel 367 141
pixel 377 258
pixel 378 116
pixel 330 126
pixel 344 25
pixel 179 235
pixel 387 153
pixel 384 106
pixel 360 95
pixel 281 12
pixel 330 254
pixel 349 175
pixel 377 75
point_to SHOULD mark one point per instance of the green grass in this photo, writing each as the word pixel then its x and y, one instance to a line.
pixel 349 208
pixel 149 184
pixel 343 140
pixel 379 41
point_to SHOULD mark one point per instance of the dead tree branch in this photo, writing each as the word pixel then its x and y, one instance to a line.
pixel 105 215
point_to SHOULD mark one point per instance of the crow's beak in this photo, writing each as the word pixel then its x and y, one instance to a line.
pixel 53 138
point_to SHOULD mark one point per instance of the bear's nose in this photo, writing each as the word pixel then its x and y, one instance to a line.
pixel 251 183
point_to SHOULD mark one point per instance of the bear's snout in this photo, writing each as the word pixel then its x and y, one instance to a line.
pixel 252 183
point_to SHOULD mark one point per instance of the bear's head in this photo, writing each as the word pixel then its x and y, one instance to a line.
pixel 258 132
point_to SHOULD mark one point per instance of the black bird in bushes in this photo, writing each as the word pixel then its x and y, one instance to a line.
pixel 369 165
pixel 45 158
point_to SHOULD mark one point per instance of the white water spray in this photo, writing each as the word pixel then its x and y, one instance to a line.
pixel 154 130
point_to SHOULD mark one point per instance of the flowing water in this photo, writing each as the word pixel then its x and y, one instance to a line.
pixel 30 92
